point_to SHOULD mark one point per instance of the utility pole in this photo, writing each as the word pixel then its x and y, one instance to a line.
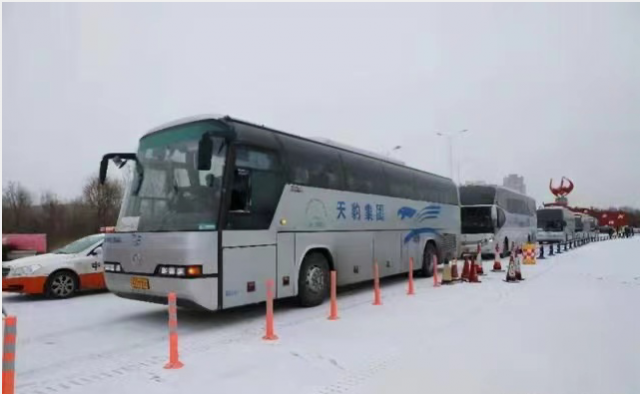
pixel 449 136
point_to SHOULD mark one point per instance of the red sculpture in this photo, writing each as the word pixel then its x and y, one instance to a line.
pixel 562 190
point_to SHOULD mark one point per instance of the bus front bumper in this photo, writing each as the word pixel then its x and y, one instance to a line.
pixel 472 248
pixel 191 293
pixel 550 237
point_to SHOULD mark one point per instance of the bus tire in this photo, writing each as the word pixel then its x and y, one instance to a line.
pixel 427 260
pixel 313 280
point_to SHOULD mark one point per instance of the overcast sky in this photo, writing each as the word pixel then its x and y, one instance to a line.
pixel 545 90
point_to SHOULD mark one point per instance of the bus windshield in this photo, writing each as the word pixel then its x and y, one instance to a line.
pixel 476 220
pixel 168 192
pixel 477 195
pixel 550 220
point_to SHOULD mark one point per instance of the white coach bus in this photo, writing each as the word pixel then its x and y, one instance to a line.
pixel 217 206
pixel 556 224
pixel 586 226
pixel 494 215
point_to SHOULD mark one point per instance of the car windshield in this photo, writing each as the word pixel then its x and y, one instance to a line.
pixel 80 245
pixel 168 192
pixel 476 220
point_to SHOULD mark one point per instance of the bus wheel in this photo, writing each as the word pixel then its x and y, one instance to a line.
pixel 313 281
pixel 427 260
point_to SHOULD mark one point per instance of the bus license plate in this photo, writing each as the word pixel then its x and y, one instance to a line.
pixel 138 283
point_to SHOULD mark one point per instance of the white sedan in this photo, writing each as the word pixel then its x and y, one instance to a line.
pixel 59 274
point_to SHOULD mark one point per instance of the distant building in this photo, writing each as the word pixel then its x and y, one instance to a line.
pixel 515 182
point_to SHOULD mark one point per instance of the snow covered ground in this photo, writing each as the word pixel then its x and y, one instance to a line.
pixel 573 326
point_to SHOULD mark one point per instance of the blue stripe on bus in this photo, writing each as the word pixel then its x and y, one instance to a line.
pixel 415 232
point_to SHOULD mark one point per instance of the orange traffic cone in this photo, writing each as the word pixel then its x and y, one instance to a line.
pixel 436 283
pixel 518 269
pixel 333 309
pixel 511 271
pixel 454 270
pixel 270 334
pixel 9 354
pixel 377 299
pixel 446 274
pixel 497 265
pixel 473 274
pixel 465 269
pixel 479 261
pixel 174 360
pixel 411 290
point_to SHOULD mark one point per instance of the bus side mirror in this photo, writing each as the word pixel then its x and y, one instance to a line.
pixel 103 169
pixel 205 151
pixel 120 159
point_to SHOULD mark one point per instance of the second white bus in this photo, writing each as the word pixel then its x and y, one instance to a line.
pixel 494 215
pixel 556 224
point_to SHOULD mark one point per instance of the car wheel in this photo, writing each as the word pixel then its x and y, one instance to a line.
pixel 313 281
pixel 427 261
pixel 62 284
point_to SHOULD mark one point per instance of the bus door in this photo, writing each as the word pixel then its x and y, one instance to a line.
pixel 248 243
pixel 249 259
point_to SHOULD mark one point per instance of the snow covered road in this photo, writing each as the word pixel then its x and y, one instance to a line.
pixel 572 326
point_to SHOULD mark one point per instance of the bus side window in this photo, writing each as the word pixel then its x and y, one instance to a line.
pixel 255 190
pixel 240 191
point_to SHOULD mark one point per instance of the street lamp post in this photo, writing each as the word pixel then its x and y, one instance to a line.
pixel 449 137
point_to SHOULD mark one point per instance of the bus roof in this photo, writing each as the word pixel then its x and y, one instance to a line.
pixel 330 143
pixel 494 186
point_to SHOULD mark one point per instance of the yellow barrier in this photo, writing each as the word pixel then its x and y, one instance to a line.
pixel 529 254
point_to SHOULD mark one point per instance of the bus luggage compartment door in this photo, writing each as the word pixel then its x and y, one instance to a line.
pixel 246 268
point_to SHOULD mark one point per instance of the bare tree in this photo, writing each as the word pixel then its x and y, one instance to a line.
pixel 103 200
pixel 17 205
pixel 52 217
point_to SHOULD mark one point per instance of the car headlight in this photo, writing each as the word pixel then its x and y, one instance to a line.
pixel 26 270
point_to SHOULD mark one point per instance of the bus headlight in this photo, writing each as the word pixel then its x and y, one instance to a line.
pixel 179 270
